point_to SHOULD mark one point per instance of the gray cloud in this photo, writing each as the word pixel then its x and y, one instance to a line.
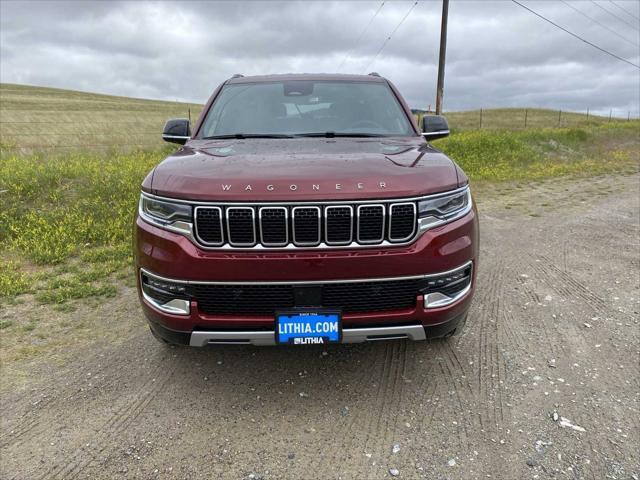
pixel 498 54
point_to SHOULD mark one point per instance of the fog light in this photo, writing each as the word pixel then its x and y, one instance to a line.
pixel 445 288
pixel 166 295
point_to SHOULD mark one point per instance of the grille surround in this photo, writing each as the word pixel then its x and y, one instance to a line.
pixel 371 241
pixel 229 230
pixel 220 223
pixel 390 235
pixel 327 220
pixel 307 243
pixel 286 226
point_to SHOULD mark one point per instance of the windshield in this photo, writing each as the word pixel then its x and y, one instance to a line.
pixel 305 107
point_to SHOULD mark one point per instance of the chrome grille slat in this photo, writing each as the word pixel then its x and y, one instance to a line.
pixel 306 225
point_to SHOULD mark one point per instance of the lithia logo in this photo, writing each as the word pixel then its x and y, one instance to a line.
pixel 293 187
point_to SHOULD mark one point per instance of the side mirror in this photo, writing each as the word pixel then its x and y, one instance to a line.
pixel 177 130
pixel 434 127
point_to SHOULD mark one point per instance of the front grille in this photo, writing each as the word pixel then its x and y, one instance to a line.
pixel 265 299
pixel 278 226
pixel 371 296
pixel 242 299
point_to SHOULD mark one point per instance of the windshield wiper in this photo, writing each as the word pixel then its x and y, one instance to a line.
pixel 247 135
pixel 339 134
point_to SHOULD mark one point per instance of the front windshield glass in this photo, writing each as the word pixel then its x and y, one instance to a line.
pixel 305 107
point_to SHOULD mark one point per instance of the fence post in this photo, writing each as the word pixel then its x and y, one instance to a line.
pixel 610 112
pixel 587 113
pixel 526 111
pixel 480 118
pixel 629 116
pixel 559 116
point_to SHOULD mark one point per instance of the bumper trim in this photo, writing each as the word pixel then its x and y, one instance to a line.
pixel 303 282
pixel 349 335
pixel 176 306
pixel 438 300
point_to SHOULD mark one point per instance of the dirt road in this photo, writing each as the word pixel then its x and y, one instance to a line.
pixel 544 382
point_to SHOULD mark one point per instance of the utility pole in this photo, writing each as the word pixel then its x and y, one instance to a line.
pixel 443 53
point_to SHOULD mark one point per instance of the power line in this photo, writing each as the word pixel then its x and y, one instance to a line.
pixel 346 57
pixel 624 10
pixel 576 36
pixel 614 15
pixel 602 25
pixel 391 35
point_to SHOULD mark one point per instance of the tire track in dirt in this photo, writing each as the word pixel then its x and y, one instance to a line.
pixel 20 433
pixel 571 285
pixel 391 394
pixel 35 422
pixel 488 382
pixel 564 285
pixel 529 293
pixel 430 385
pixel 81 458
pixel 553 340
pixel 508 332
pixel 574 288
pixel 357 417
pixel 387 408
pixel 463 401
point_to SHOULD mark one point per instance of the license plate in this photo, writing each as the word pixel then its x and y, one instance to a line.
pixel 308 327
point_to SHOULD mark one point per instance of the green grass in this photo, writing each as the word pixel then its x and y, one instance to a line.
pixel 68 219
pixel 501 155
pixel 66 215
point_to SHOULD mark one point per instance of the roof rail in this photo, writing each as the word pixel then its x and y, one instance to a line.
pixel 237 75
pixel 374 74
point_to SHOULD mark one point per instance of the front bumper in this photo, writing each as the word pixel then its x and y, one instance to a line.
pixel 173 256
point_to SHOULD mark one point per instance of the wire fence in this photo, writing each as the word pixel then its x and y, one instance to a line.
pixel 517 119
pixel 94 130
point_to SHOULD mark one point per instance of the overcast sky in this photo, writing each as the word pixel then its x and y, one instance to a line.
pixel 498 54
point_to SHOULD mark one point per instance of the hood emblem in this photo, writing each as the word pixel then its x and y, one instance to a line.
pixel 315 187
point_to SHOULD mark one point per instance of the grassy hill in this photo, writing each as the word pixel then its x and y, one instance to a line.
pixel 38 118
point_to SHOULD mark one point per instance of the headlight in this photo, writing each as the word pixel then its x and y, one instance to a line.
pixel 441 209
pixel 177 217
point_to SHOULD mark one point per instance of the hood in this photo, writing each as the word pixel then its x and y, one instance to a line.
pixel 303 169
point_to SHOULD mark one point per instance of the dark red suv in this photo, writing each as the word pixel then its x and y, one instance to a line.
pixel 305 209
